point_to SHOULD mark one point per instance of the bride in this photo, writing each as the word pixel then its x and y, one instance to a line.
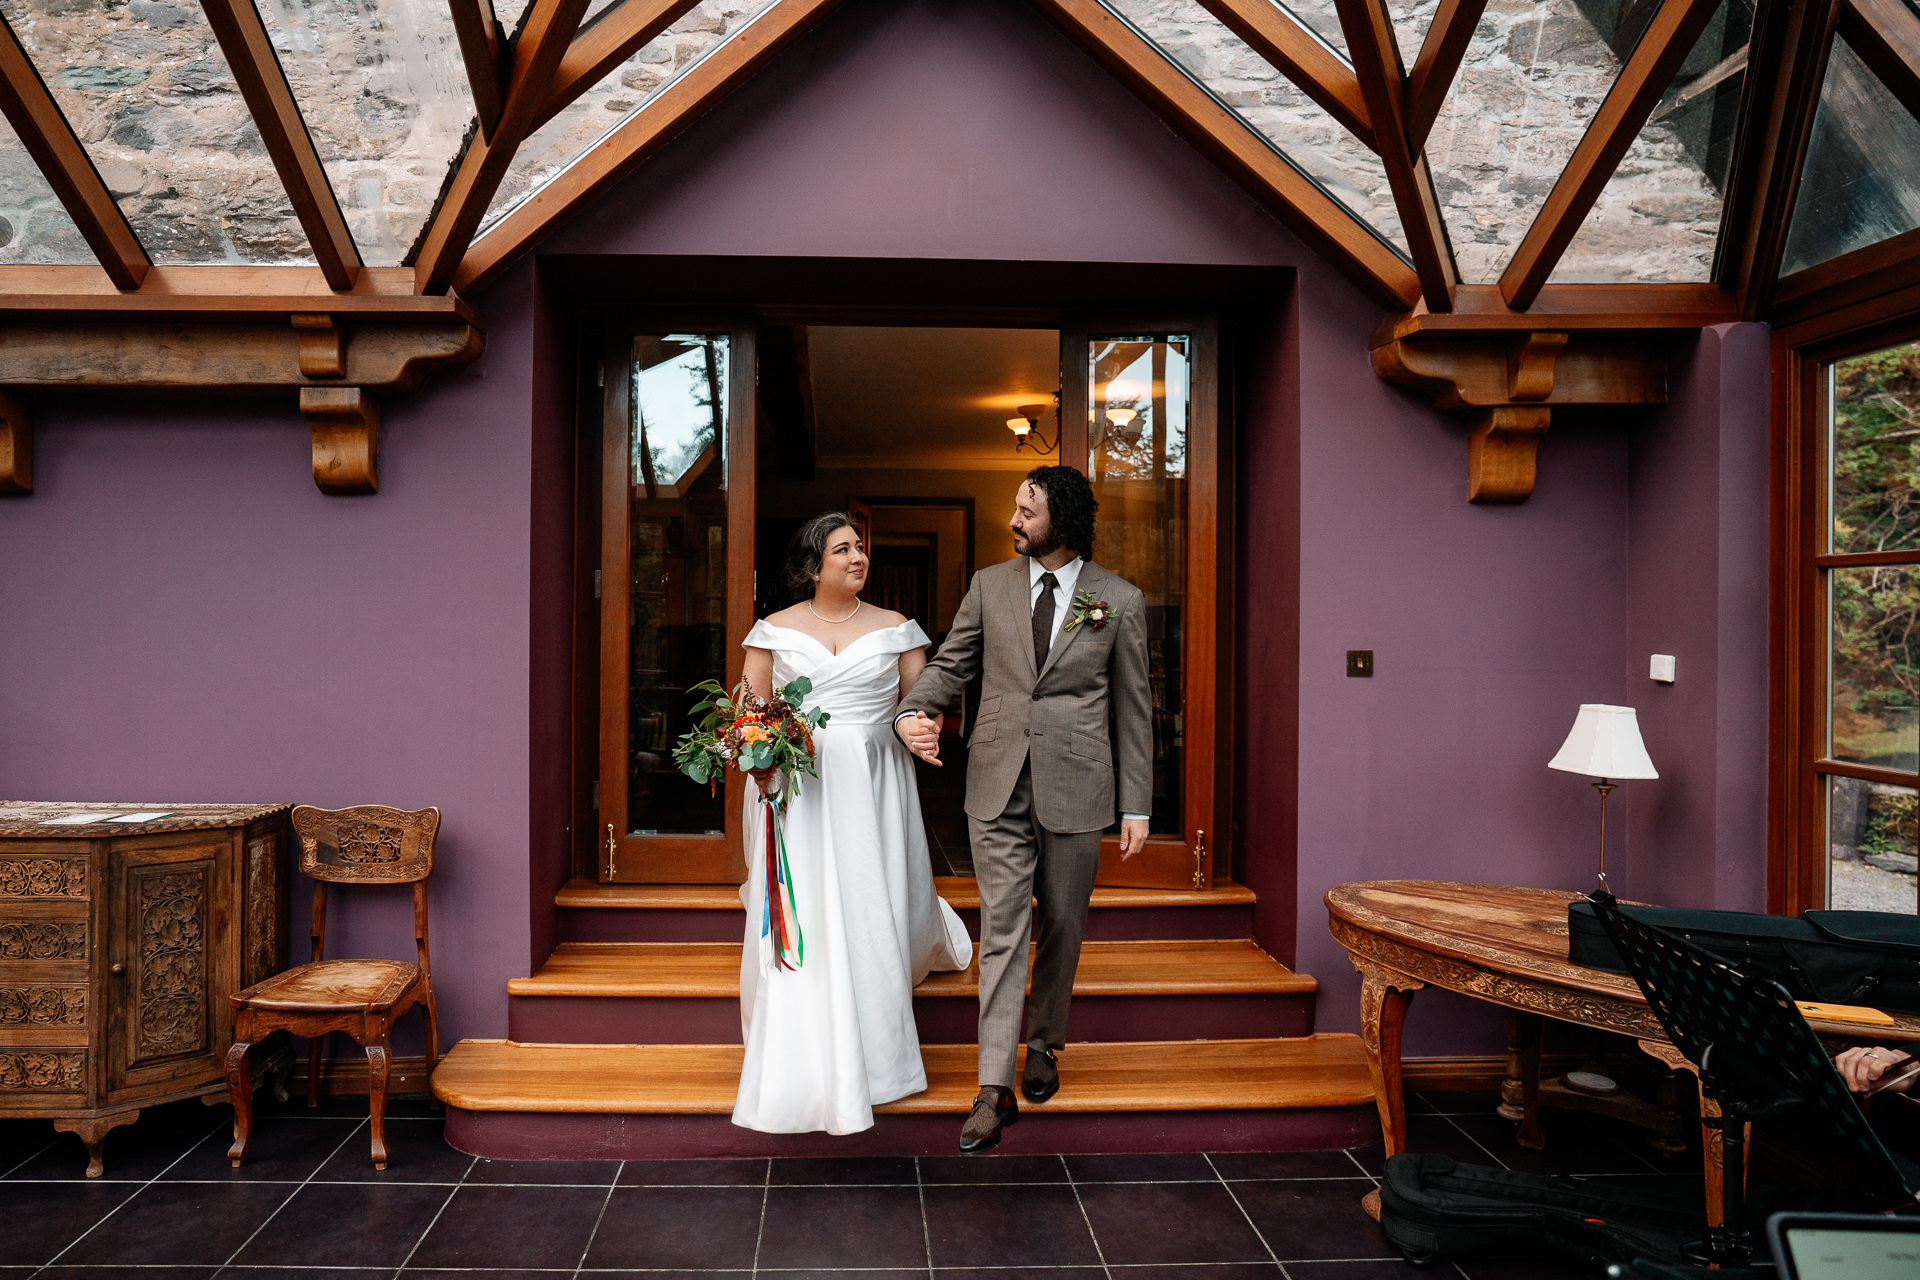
pixel 828 1041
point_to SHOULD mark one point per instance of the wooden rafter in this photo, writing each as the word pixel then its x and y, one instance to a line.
pixel 479 37
pixel 1441 54
pixel 536 56
pixel 1376 64
pixel 1788 63
pixel 1300 56
pixel 263 86
pixel 1651 67
pixel 1326 226
pixel 678 104
pixel 610 40
pixel 222 293
pixel 1886 35
pixel 50 140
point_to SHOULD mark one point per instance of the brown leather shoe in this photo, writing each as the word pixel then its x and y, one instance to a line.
pixel 1041 1079
pixel 995 1109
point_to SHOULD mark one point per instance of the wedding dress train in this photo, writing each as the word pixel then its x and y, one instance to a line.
pixel 828 1041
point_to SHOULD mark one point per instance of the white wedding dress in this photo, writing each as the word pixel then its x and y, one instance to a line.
pixel 828 1041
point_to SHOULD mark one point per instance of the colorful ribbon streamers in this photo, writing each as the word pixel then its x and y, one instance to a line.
pixel 782 945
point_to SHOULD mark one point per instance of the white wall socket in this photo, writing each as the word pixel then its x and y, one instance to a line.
pixel 1661 668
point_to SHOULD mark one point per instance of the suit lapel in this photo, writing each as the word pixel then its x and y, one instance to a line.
pixel 1092 577
pixel 1019 591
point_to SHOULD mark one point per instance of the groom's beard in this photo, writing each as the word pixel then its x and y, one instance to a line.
pixel 1035 548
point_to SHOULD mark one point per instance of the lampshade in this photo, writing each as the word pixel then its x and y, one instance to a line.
pixel 1604 743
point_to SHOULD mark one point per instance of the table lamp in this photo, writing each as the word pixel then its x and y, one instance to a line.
pixel 1605 744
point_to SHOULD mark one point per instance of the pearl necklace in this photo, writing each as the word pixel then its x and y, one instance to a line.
pixel 833 621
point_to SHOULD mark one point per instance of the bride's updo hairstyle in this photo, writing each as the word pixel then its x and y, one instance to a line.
pixel 809 548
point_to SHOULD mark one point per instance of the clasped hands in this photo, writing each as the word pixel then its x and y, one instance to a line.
pixel 921 733
pixel 1863 1067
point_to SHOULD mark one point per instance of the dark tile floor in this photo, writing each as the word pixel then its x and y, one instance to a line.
pixel 308 1203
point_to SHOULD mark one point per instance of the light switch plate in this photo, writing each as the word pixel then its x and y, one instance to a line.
pixel 1360 662
pixel 1661 668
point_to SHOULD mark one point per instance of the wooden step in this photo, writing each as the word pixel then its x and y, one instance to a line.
pixel 593 912
pixel 961 893
pixel 514 1101
pixel 1219 966
pixel 681 993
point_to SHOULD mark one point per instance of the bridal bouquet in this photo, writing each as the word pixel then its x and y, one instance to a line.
pixel 750 733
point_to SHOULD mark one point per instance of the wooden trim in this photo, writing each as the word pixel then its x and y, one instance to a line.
pixel 1767 185
pixel 1479 309
pixel 609 40
pixel 1886 35
pixel 543 41
pixel 1668 40
pixel 1376 62
pixel 263 85
pixel 1441 53
pixel 741 458
pixel 1299 55
pixel 1840 560
pixel 1326 226
pixel 50 140
pixel 479 37
pixel 347 1075
pixel 1867 773
pixel 16 446
pixel 1866 273
pixel 681 102
pixel 1475 1072
pixel 221 293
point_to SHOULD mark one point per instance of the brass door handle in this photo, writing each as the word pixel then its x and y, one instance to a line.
pixel 118 971
pixel 1199 859
pixel 613 848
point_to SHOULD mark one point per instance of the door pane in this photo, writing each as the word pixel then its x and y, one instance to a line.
pixel 1874 426
pixel 1874 668
pixel 1137 429
pixel 1873 836
pixel 677 499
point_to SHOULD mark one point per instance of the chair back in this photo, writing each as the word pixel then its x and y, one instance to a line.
pixel 367 844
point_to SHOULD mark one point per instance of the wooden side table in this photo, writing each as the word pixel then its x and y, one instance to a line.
pixel 119 945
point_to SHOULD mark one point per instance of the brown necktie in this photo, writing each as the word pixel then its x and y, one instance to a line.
pixel 1043 621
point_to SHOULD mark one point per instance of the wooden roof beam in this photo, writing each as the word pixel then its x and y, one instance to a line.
pixel 1886 35
pixel 1301 57
pixel 608 41
pixel 536 56
pixel 1649 70
pixel 219 292
pixel 1788 63
pixel 263 85
pixel 1376 64
pixel 1441 54
pixel 480 42
pixel 43 130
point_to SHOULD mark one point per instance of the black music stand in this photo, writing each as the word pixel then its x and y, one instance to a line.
pixel 1759 1060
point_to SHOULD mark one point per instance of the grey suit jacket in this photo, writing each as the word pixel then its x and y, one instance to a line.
pixel 1085 718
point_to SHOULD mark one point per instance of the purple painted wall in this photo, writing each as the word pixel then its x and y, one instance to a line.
pixel 193 620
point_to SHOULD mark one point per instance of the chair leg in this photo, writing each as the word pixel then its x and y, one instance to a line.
pixel 432 1018
pixel 240 1094
pixel 377 1099
pixel 316 1047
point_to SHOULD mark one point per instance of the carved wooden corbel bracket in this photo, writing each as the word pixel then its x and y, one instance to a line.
pixel 336 369
pixel 16 446
pixel 1510 382
pixel 346 438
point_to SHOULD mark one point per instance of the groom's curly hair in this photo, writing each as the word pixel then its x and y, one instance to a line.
pixel 1070 506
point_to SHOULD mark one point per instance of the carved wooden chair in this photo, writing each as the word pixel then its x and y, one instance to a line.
pixel 370 844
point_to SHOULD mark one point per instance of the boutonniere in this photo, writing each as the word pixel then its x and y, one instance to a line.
pixel 1095 613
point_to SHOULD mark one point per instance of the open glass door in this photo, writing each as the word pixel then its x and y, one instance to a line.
pixel 676 521
pixel 1147 439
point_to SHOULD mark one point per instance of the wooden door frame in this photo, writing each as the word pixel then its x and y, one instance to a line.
pixel 1212 521
pixel 1797 840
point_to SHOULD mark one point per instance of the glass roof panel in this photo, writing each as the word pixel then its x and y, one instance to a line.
pixel 1658 217
pixel 1319 17
pixel 1533 77
pixel 623 92
pixel 1291 122
pixel 147 90
pixel 1411 18
pixel 383 91
pixel 1861 183
pixel 33 225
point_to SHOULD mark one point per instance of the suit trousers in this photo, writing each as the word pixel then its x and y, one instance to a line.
pixel 1018 863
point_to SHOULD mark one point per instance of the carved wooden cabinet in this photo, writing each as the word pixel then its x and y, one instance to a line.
pixel 119 945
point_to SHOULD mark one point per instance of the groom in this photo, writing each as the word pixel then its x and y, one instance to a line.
pixel 1062 740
